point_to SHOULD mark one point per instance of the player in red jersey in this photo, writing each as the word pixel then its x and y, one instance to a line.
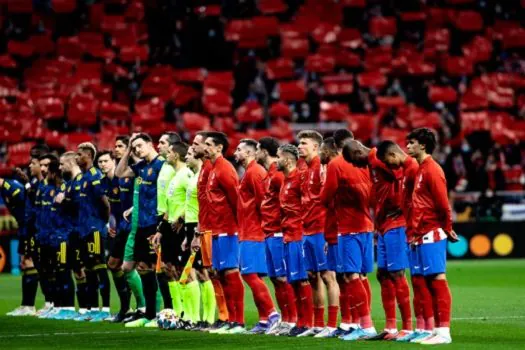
pixel 251 235
pixel 314 213
pixel 432 227
pixel 292 226
pixel 352 188
pixel 221 192
pixel 271 224
pixel 394 157
pixel 392 257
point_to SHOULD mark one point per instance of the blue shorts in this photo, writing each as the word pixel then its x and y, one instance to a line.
pixel 334 262
pixel 294 258
pixel 357 252
pixel 392 250
pixel 413 259
pixel 275 257
pixel 225 252
pixel 253 258
pixel 314 255
pixel 432 258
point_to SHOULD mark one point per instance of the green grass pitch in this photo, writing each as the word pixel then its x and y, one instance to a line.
pixel 488 312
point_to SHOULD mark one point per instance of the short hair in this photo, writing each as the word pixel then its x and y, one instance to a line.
pixel 270 144
pixel 69 155
pixel 249 142
pixel 219 138
pixel 290 149
pixel 144 136
pixel 385 147
pixel 54 165
pixel 104 152
pixel 49 156
pixel 123 138
pixel 330 143
pixel 204 134
pixel 310 134
pixel 340 135
pixel 88 146
pixel 38 150
pixel 173 137
pixel 181 148
pixel 424 136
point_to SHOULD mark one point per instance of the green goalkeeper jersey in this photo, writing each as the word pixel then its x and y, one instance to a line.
pixel 166 174
pixel 177 193
pixel 192 202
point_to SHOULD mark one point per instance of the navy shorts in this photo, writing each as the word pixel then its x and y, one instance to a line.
pixel 225 252
pixel 392 250
pixel 357 252
pixel 253 258
pixel 315 257
pixel 295 262
pixel 275 257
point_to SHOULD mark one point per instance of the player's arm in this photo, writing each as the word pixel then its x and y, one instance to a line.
pixel 229 183
pixel 257 184
pixel 437 185
pixel 123 169
pixel 330 185
pixel 103 202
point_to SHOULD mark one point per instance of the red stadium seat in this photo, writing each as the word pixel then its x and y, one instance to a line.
pixel 336 85
pixel 382 26
pixel 113 111
pixel 390 101
pixel 250 112
pixel 42 44
pixel 280 68
pixel 415 16
pixel 396 135
pixel 63 6
pixel 478 50
pixel 326 33
pixel 321 64
pixel 217 101
pixel 474 121
pixel 266 25
pixel 7 62
pixel 471 101
pixel 362 125
pixel 224 124
pixel 220 80
pixel 132 54
pixel 372 80
pixel 294 48
pixel 347 59
pixel 333 112
pixel 444 94
pixel 195 121
pixel 292 91
pixel 20 48
pixel 20 6
pixel 82 111
pixel 191 75
pixel 349 38
pixel 456 66
pixel 354 3
pixel 280 110
pixel 69 47
pixel 270 7
pixel 514 178
pixel 50 108
pixel 148 111
pixel 468 21
pixel 378 59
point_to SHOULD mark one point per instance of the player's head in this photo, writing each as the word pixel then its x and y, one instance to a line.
pixel 420 142
pixel 199 144
pixel 106 161
pixel 44 162
pixel 86 153
pixel 266 148
pixel 142 145
pixel 328 150
pixel 391 154
pixel 287 157
pixel 68 161
pixel 355 152
pixel 309 144
pixel 216 144
pixel 35 153
pixel 121 145
pixel 341 136
pixel 167 139
pixel 176 153
pixel 245 151
pixel 191 161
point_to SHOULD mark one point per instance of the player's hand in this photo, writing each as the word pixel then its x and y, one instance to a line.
pixel 60 197
pixel 155 240
pixel 196 243
pixel 184 244
pixel 112 232
pixel 22 175
pixel 452 236
pixel 133 137
pixel 127 213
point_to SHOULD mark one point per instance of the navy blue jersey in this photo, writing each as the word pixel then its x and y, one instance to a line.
pixel 72 201
pixel 43 202
pixel 59 223
pixel 13 194
pixel 30 212
pixel 126 201
pixel 147 175
pixel 112 190
pixel 90 211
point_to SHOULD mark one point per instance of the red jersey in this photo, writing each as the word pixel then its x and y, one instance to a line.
pixel 387 194
pixel 410 168
pixel 330 226
pixel 270 206
pixel 350 188
pixel 430 207
pixel 291 208
pixel 201 194
pixel 221 192
pixel 251 194
pixel 314 212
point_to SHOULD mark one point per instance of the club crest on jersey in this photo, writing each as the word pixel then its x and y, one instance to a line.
pixel 115 190
pixel 150 171
pixel 126 180
pixel 85 184
pixel 52 193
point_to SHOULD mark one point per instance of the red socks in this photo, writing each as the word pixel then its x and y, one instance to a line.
pixel 282 299
pixel 332 316
pixel 291 303
pixel 388 298
pixel 344 302
pixel 235 296
pixel 261 295
pixel 221 300
pixel 319 317
pixel 305 304
pixel 418 307
pixel 366 284
pixel 425 300
pixel 403 301
pixel 359 299
pixel 442 301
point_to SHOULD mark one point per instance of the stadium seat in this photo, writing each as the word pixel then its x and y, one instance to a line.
pixel 280 68
pixel 20 6
pixel 372 80
pixel 292 91
pixel 468 21
pixel 250 112
pixel 444 94
pixel 82 111
pixel 220 80
pixel 280 110
pixel 270 7
pixel 294 48
pixel 217 101
pixel 362 125
pixel 113 111
pixel 382 26
pixel 337 85
pixel 50 108
pixel 195 122
pixel 321 64
pixel 333 112
pixel 63 6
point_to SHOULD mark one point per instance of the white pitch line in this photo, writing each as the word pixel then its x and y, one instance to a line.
pixel 480 318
